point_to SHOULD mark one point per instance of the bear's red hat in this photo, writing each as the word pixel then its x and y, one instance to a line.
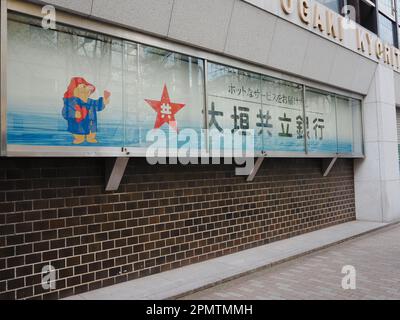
pixel 76 81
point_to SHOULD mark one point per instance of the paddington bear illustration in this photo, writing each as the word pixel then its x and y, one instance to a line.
pixel 81 112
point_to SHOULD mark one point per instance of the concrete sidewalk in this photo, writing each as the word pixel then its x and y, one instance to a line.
pixel 375 258
pixel 178 282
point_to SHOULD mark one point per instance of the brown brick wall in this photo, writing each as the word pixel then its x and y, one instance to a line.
pixel 163 217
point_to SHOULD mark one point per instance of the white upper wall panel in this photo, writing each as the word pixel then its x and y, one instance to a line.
pixel 250 33
pixel 83 7
pixel 152 16
pixel 202 23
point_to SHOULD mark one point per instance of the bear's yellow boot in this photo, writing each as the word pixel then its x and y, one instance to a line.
pixel 91 138
pixel 78 139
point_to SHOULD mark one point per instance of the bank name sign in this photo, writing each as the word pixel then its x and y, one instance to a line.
pixel 315 17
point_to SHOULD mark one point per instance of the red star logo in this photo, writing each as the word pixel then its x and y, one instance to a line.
pixel 165 109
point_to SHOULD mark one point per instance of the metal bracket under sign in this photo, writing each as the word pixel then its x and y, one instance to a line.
pixel 115 169
pixel 257 166
pixel 327 165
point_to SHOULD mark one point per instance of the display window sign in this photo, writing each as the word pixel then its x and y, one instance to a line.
pixel 333 123
pixel 357 126
pixel 165 91
pixel 282 118
pixel 320 124
pixel 64 88
pixel 275 110
pixel 71 90
pixel 234 104
pixel 349 125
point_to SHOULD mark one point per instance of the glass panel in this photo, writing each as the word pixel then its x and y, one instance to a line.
pixel 133 133
pixel 332 4
pixel 398 38
pixel 64 87
pixel 357 128
pixel 344 115
pixel 398 10
pixel 283 115
pixel 234 103
pixel 163 90
pixel 321 122
pixel 386 29
pixel 386 6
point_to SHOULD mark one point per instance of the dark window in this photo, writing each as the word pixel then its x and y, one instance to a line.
pixel 381 17
pixel 367 16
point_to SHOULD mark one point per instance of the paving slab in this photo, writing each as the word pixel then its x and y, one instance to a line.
pixel 375 258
